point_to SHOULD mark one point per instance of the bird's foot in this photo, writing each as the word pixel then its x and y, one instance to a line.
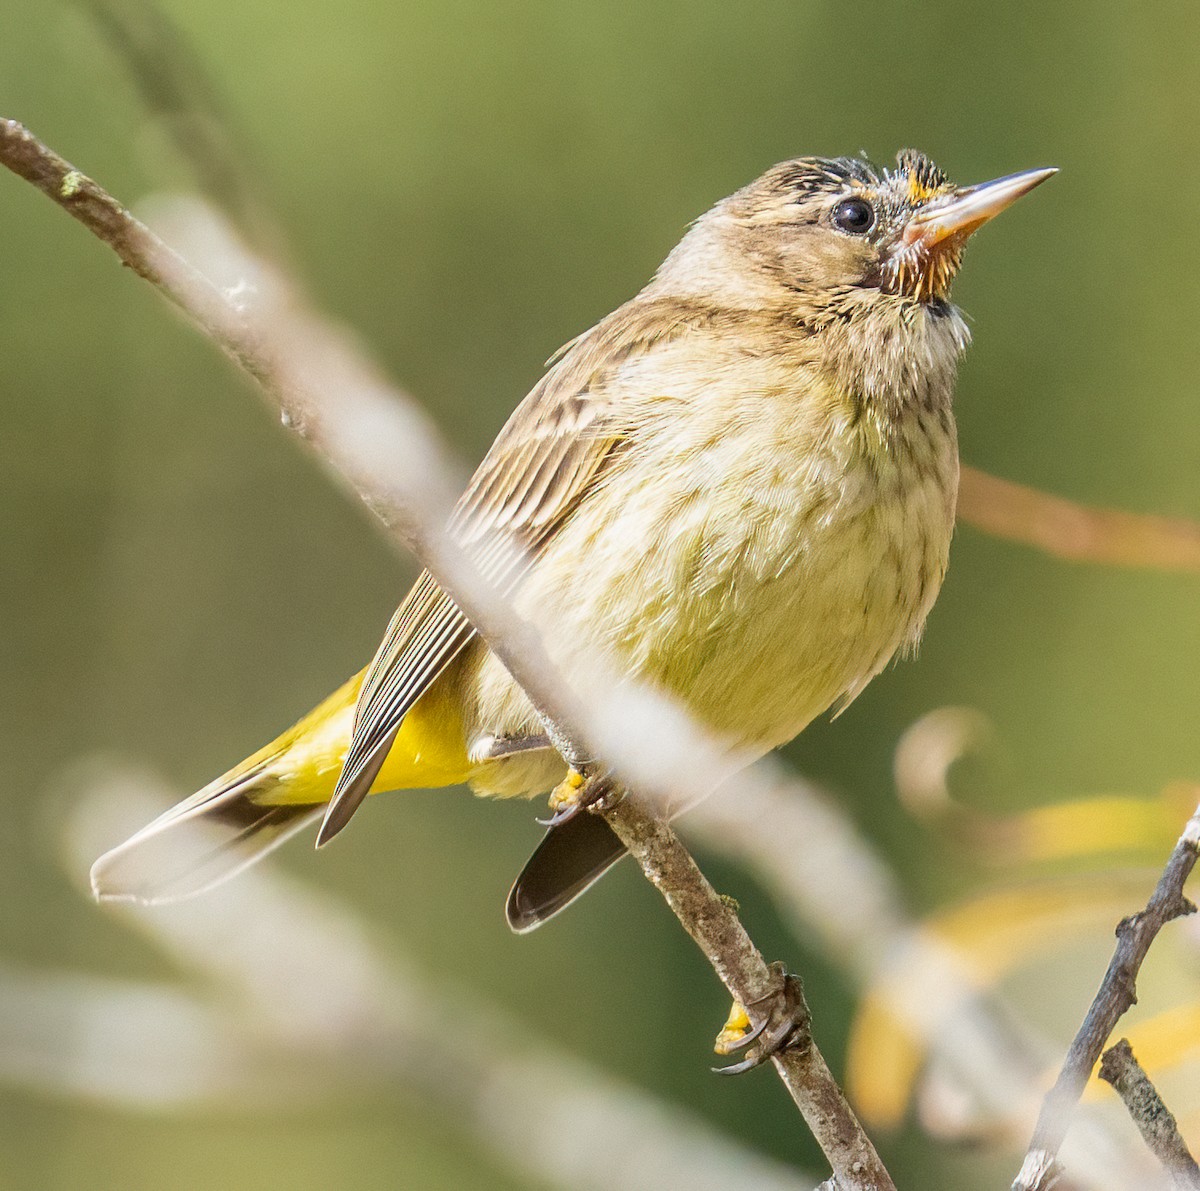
pixel 581 791
pixel 783 1025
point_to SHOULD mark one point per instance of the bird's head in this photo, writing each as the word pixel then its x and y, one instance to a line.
pixel 824 229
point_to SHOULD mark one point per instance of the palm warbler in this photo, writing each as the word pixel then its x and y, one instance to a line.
pixel 738 487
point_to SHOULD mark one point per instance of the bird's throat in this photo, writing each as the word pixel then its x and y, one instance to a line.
pixel 895 355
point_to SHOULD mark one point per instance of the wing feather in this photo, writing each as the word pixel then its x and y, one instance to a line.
pixel 540 467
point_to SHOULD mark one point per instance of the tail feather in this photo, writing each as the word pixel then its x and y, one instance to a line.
pixel 570 859
pixel 206 839
pixel 275 793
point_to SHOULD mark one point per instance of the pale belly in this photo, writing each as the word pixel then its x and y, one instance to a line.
pixel 757 583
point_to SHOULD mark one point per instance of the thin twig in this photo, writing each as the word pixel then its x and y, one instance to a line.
pixel 350 417
pixel 1154 1120
pixel 719 933
pixel 1076 532
pixel 1118 991
pixel 176 90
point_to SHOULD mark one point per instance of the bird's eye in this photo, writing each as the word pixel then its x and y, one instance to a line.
pixel 854 215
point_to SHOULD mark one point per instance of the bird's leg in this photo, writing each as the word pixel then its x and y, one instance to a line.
pixel 495 748
pixel 587 786
pixel 584 788
pixel 783 1024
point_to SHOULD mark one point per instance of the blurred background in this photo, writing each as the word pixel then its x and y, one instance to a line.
pixel 468 185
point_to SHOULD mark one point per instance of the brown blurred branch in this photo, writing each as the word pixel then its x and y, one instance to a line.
pixel 1118 991
pixel 1076 532
pixel 350 416
pixel 1154 1120
pixel 176 91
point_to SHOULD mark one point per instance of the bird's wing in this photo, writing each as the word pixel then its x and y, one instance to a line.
pixel 542 464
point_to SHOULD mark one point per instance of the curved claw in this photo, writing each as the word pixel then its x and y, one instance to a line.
pixel 565 815
pixel 784 1025
pixel 741 1068
pixel 608 794
pixel 786 1035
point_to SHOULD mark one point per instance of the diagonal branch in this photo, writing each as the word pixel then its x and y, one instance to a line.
pixel 1154 1120
pixel 833 891
pixel 719 933
pixel 373 441
pixel 1118 991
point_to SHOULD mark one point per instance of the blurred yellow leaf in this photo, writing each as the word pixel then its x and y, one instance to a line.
pixel 1094 826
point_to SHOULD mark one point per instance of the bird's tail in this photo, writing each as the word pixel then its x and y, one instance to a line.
pixel 206 839
pixel 570 859
pixel 270 796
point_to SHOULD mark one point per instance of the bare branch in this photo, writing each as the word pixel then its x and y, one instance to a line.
pixel 1079 533
pixel 718 932
pixel 1118 991
pixel 326 392
pixel 1154 1120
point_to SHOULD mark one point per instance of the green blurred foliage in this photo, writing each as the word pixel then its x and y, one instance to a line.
pixel 469 184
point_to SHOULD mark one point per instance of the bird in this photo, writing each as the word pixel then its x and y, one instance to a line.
pixel 737 488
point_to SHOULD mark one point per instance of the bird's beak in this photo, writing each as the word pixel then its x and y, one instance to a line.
pixel 968 209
